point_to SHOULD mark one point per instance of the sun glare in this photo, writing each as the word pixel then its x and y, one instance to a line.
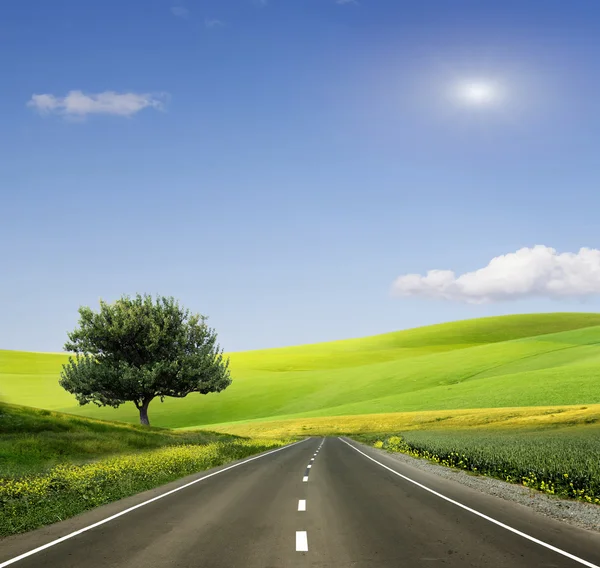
pixel 477 93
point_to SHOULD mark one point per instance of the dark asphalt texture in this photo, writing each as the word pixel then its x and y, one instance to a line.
pixel 358 514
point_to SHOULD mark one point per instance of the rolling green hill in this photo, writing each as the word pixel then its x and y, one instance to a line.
pixel 509 361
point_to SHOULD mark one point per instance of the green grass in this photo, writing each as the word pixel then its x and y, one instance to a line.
pixel 34 441
pixel 558 461
pixel 509 361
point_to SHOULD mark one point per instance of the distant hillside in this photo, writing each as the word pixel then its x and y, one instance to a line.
pixel 519 360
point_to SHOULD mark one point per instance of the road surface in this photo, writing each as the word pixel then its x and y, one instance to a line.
pixel 322 502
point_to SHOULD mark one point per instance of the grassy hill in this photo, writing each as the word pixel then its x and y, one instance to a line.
pixel 508 361
pixel 34 440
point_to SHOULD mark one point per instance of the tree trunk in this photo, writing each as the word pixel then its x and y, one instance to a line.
pixel 143 408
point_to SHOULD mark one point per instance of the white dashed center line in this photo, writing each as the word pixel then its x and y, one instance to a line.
pixel 301 541
pixel 301 536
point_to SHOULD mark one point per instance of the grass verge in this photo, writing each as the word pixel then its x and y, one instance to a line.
pixel 34 440
pixel 562 462
pixel 67 490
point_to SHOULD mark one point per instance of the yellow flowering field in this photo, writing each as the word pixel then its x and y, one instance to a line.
pixel 347 425
pixel 66 490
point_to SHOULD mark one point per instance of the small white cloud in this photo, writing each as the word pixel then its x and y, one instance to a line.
pixel 44 103
pixel 528 272
pixel 346 2
pixel 213 23
pixel 78 104
pixel 180 11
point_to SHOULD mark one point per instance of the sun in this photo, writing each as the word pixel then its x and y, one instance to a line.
pixel 477 92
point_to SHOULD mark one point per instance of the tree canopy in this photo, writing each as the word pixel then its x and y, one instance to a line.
pixel 139 349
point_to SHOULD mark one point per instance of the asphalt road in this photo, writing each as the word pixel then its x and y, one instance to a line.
pixel 275 511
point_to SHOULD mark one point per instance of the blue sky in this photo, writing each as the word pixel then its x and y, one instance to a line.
pixel 278 165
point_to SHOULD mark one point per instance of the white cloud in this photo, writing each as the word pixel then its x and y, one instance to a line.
pixel 44 103
pixel 78 104
pixel 539 271
pixel 213 23
pixel 346 1
pixel 180 11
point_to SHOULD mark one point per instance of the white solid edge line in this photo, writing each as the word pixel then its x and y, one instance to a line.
pixel 305 478
pixel 500 524
pixel 94 525
pixel 301 541
pixel 302 505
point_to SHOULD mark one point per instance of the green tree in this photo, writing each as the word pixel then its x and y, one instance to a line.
pixel 139 349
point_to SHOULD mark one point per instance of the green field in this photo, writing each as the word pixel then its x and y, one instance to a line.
pixel 510 361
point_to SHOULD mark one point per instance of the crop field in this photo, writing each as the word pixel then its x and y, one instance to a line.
pixel 563 461
pixel 499 362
